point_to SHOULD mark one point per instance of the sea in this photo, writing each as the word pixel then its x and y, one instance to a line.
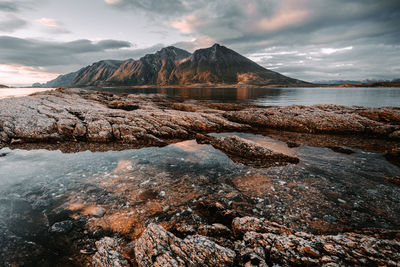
pixel 369 96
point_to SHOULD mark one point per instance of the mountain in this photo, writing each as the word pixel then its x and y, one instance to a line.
pixel 96 74
pixel 173 66
pixel 150 69
pixel 60 81
pixel 3 86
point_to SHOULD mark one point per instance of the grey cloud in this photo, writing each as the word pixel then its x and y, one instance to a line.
pixel 10 23
pixel 33 52
pixel 9 6
pixel 310 64
pixel 65 56
pixel 162 7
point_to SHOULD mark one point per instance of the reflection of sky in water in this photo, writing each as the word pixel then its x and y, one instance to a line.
pixel 16 92
pixel 371 97
pixel 25 169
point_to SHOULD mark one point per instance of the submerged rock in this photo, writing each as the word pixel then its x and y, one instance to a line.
pixel 246 151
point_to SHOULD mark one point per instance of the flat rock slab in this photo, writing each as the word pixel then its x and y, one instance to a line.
pixel 155 120
pixel 246 151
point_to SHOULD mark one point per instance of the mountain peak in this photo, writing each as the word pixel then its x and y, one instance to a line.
pixel 174 66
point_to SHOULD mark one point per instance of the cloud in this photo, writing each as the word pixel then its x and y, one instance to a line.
pixel 24 75
pixel 64 57
pixel 9 6
pixel 161 7
pixel 52 25
pixel 10 20
pixel 313 62
pixel 33 52
pixel 10 23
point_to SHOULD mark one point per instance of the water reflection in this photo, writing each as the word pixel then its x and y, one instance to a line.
pixel 370 97
pixel 121 192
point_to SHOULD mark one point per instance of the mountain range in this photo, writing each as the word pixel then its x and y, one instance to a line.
pixel 171 66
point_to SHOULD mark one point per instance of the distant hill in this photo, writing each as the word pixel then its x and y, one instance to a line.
pixel 348 82
pixel 3 86
pixel 373 84
pixel 170 66
pixel 60 81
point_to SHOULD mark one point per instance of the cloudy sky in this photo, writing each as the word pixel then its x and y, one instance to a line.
pixel 305 39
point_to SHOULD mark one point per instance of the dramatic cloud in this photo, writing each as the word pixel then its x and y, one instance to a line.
pixel 42 59
pixel 306 39
pixel 32 52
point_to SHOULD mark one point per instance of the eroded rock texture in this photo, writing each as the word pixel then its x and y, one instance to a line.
pixel 266 244
pixel 109 254
pixel 263 243
pixel 157 247
pixel 242 150
pixel 89 116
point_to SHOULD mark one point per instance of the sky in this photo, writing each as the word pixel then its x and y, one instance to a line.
pixel 312 40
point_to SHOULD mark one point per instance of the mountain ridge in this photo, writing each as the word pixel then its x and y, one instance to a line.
pixel 172 66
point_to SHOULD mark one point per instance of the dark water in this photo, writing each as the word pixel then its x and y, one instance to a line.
pixel 370 97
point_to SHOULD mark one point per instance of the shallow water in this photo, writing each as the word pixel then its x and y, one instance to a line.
pixel 369 97
pixel 17 92
pixel 326 192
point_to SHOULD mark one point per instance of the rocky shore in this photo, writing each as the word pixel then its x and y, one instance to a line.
pixel 89 116
pixel 253 202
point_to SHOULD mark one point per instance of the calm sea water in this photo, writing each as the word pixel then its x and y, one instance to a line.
pixel 17 92
pixel 370 97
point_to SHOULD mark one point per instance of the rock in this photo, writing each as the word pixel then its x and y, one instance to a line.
pixel 332 119
pixel 246 151
pixel 157 247
pixel 269 244
pixel 61 227
pixel 109 254
pixel 394 180
pixel 292 144
pixel 340 149
pixel 330 219
pixel 393 156
pixel 96 211
pixel 90 116
pixel 214 230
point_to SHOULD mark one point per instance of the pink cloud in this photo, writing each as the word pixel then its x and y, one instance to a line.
pixel 17 74
pixel 290 13
pixel 187 24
